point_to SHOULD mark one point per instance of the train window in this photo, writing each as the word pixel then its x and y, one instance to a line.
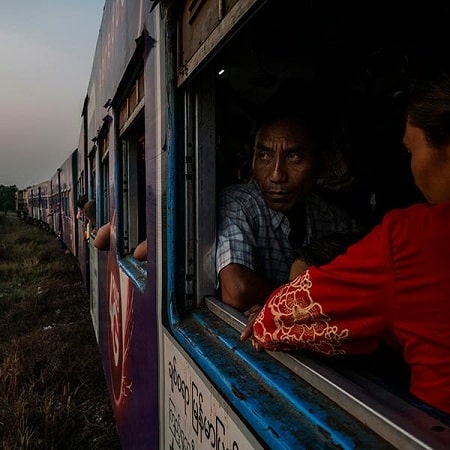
pixel 222 97
pixel 80 184
pixel 65 205
pixel 133 185
pixel 92 173
pixel 131 103
pixel 105 189
pixel 132 210
pixel 99 171
pixel 222 101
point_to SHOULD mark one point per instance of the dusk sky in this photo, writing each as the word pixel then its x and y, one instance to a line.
pixel 46 54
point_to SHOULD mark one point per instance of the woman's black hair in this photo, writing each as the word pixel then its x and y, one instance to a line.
pixel 429 106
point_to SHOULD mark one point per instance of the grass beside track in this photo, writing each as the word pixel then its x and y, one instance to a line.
pixel 53 394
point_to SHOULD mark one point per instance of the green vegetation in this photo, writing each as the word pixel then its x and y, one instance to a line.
pixel 53 394
pixel 7 198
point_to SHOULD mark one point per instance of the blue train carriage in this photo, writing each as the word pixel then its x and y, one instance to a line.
pixel 172 101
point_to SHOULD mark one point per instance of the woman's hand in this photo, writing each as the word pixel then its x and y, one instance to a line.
pixel 252 314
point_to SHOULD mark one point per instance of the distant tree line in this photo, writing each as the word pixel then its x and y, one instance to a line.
pixel 7 198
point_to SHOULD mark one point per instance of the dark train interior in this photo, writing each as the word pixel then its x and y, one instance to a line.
pixel 358 60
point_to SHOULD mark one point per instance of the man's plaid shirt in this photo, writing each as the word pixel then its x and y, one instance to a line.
pixel 253 235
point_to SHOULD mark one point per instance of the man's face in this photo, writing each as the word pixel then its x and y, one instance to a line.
pixel 284 163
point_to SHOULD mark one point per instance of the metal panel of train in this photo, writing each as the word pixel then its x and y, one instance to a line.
pixel 171 103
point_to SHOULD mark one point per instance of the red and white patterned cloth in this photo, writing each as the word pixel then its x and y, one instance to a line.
pixel 393 286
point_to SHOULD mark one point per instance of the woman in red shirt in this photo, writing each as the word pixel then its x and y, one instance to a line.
pixel 391 287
